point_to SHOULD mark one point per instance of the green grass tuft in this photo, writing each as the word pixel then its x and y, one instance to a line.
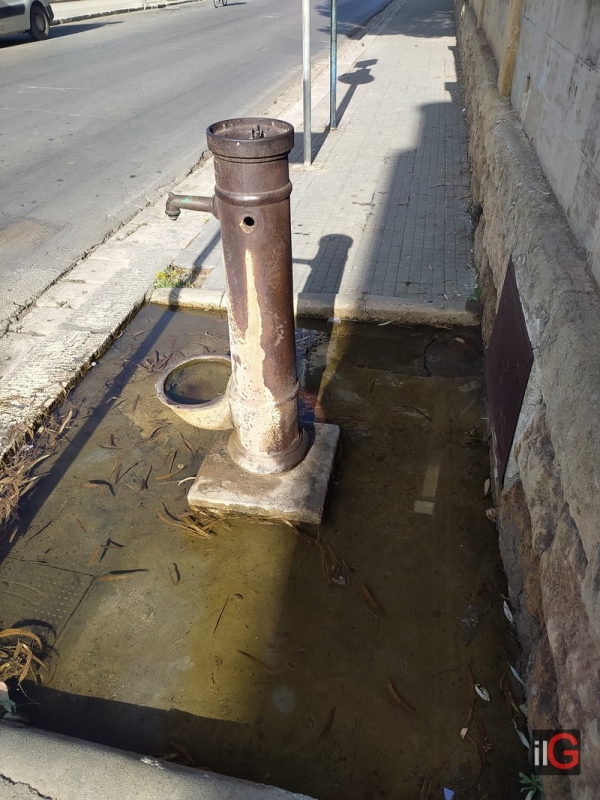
pixel 172 278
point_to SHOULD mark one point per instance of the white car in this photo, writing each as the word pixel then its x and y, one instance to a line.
pixel 30 16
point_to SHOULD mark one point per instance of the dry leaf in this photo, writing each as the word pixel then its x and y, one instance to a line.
pixel 328 724
pixel 221 614
pixel 20 632
pixel 186 443
pixel 155 431
pixel 260 663
pixel 399 699
pixel 117 576
pixel 174 574
pixel 144 483
pixel 170 474
pixel 482 692
pixel 95 555
pixel 371 600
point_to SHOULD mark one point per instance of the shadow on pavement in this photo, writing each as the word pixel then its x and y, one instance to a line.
pixel 354 80
pixel 58 31
pixel 431 23
pixel 327 267
pixel 361 75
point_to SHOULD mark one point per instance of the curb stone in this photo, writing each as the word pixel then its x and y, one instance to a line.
pixel 39 764
pixel 111 12
pixel 345 307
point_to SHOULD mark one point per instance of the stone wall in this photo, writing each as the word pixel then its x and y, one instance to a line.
pixel 549 505
pixel 493 20
pixel 556 92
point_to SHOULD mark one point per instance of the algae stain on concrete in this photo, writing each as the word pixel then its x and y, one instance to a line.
pixel 256 649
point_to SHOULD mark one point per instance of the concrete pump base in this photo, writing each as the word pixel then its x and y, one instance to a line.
pixel 297 495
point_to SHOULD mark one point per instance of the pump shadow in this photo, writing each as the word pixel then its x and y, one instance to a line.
pixel 207 252
pixel 326 268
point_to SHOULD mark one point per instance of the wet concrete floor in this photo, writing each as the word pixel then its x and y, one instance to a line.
pixel 339 669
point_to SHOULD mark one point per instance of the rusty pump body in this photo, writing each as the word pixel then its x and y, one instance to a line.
pixel 252 203
pixel 268 465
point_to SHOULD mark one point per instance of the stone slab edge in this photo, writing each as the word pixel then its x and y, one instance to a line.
pixel 345 307
pixel 298 495
pixel 58 767
pixel 549 511
pixel 125 10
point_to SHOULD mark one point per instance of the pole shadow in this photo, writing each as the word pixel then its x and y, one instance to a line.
pixel 355 79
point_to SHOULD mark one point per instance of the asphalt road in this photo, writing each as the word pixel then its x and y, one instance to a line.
pixel 100 119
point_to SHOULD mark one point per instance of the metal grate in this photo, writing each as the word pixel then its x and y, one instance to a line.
pixel 41 596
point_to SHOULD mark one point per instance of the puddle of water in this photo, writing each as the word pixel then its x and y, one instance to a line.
pixel 257 652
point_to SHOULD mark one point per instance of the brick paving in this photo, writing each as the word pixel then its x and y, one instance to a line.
pixel 384 208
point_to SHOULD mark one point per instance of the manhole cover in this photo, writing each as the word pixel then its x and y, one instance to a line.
pixel 40 596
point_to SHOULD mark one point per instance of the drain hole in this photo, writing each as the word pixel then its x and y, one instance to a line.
pixel 247 224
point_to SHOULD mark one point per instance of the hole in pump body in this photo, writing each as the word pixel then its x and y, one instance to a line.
pixel 247 224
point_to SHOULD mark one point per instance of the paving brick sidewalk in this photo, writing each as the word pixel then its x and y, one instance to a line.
pixel 384 209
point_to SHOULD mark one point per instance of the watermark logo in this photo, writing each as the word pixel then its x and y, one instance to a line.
pixel 556 752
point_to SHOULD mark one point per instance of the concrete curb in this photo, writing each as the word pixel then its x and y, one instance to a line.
pixel 346 307
pixel 110 12
pixel 35 763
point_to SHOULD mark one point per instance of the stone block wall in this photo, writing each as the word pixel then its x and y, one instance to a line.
pixel 493 18
pixel 556 91
pixel 549 503
pixel 556 94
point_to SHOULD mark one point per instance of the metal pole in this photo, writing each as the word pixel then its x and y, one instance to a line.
pixel 306 80
pixel 333 67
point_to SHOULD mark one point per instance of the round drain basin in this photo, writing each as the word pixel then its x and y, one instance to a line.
pixel 198 380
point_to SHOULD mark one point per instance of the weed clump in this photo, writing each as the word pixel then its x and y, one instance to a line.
pixel 172 278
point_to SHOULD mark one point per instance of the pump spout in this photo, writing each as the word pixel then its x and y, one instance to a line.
pixel 177 202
